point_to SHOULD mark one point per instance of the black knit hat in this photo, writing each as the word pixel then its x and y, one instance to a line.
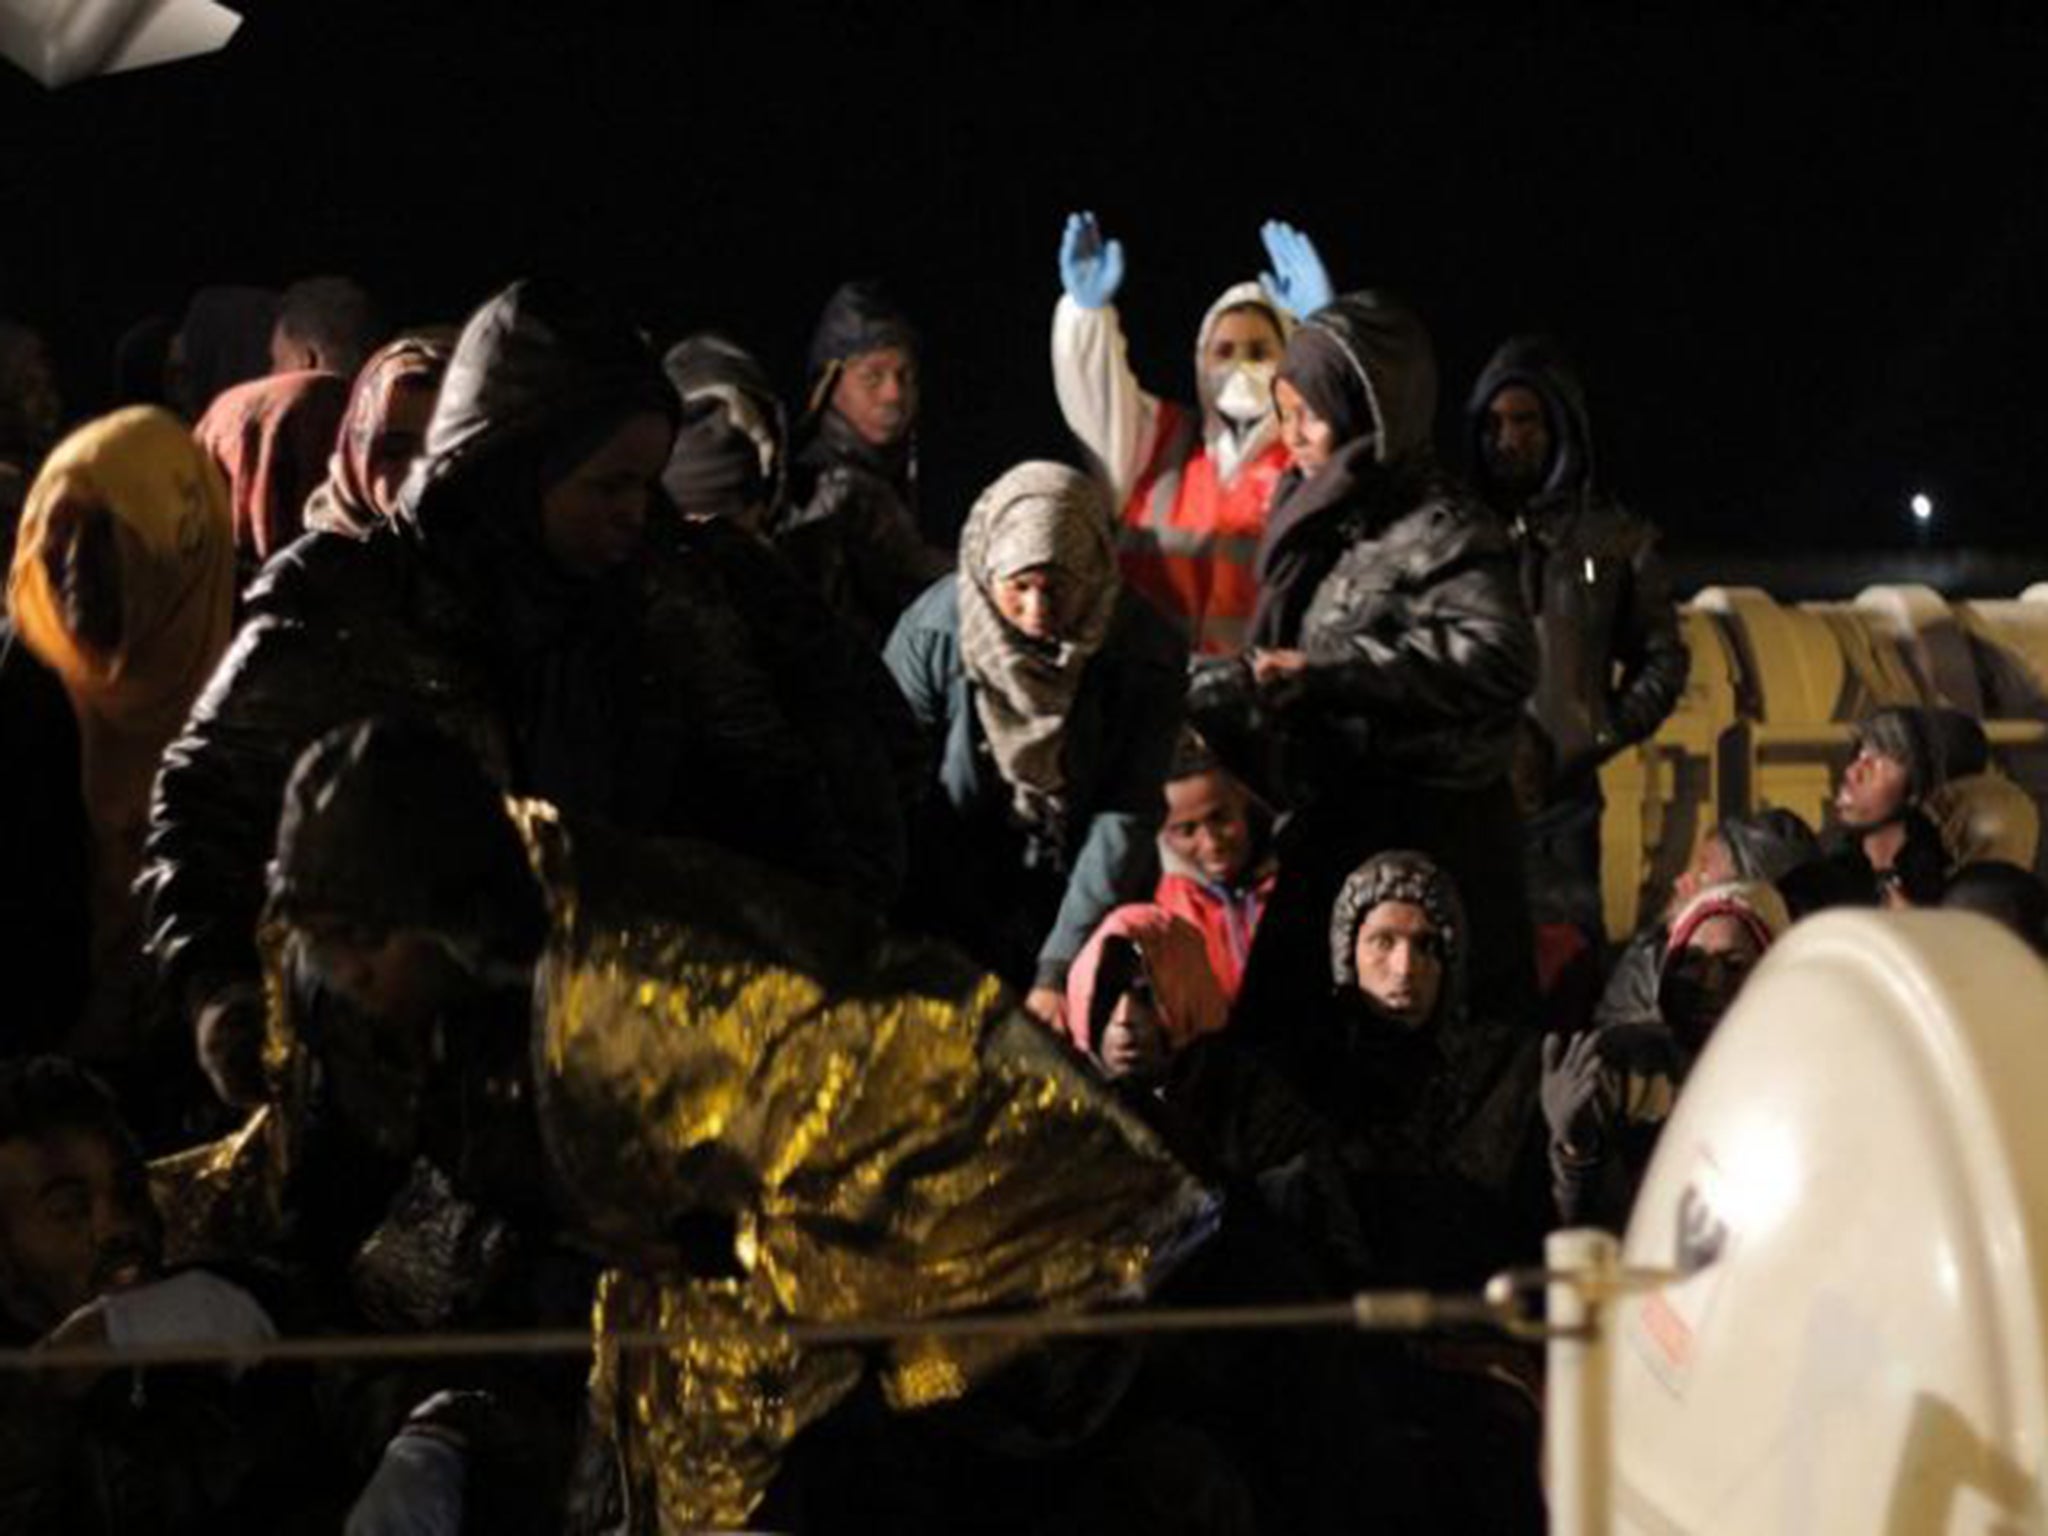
pixel 714 467
pixel 1769 845
pixel 1905 734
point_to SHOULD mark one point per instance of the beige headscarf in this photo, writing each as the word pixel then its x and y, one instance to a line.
pixel 1036 514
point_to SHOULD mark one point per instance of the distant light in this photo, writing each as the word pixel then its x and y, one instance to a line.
pixel 1923 507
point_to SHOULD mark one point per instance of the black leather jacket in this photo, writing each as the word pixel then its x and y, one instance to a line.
pixel 1399 587
pixel 699 690
pixel 851 528
pixel 1613 662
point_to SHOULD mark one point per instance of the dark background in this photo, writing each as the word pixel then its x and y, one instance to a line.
pixel 1801 259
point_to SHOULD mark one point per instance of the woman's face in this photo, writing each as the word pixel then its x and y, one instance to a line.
pixel 1036 602
pixel 593 518
pixel 397 442
pixel 1308 438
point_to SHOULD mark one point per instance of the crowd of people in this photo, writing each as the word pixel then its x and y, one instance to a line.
pixel 518 830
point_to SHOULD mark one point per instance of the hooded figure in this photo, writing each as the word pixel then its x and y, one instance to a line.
pixel 731 457
pixel 1191 486
pixel 1185 1002
pixel 271 439
pixel 851 524
pixel 751 1102
pixel 1432 1110
pixel 383 429
pixel 1766 848
pixel 1393 655
pixel 535 598
pixel 1607 1092
pixel 223 340
pixel 1888 849
pixel 1612 660
pixel 123 585
pixel 1054 749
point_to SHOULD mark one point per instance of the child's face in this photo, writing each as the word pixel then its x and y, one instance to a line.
pixel 1206 824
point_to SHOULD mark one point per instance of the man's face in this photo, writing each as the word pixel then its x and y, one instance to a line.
pixel 1712 864
pixel 1702 979
pixel 1037 602
pixel 1308 438
pixel 1134 1041
pixel 75 1222
pixel 1517 441
pixel 877 394
pixel 1207 825
pixel 1400 958
pixel 1872 791
pixel 1243 335
pixel 397 443
pixel 593 519
pixel 402 978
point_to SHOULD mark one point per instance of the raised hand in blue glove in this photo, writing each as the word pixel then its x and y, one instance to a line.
pixel 1091 268
pixel 1298 281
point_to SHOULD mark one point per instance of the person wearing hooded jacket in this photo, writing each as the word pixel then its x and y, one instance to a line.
pixel 1391 657
pixel 1762 849
pixel 1433 1103
pixel 1613 662
pixel 851 522
pixel 743 1095
pixel 123 586
pixel 1054 693
pixel 731 457
pixel 533 597
pixel 1191 486
pixel 1607 1092
pixel 1886 849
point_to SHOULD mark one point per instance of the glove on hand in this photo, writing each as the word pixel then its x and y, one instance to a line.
pixel 1571 1092
pixel 1090 269
pixel 1297 281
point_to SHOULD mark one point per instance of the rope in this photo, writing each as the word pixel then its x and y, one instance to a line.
pixel 1372 1312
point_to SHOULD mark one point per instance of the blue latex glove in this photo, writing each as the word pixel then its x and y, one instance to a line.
pixel 1090 268
pixel 1298 281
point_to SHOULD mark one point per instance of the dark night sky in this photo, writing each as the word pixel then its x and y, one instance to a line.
pixel 1799 259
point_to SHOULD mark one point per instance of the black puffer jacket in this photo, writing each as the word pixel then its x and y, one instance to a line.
pixel 1399 587
pixel 698 689
pixel 851 525
pixel 1613 662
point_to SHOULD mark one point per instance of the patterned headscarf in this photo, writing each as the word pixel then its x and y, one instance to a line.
pixel 1401 875
pixel 343 503
pixel 1037 514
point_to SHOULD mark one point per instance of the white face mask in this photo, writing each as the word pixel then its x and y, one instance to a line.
pixel 1243 392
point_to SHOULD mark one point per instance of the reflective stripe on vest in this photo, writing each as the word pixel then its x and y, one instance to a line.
pixel 1189 543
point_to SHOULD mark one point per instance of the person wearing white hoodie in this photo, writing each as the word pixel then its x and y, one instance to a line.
pixel 1191 485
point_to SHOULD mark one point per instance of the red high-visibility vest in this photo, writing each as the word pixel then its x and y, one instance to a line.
pixel 1189 542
